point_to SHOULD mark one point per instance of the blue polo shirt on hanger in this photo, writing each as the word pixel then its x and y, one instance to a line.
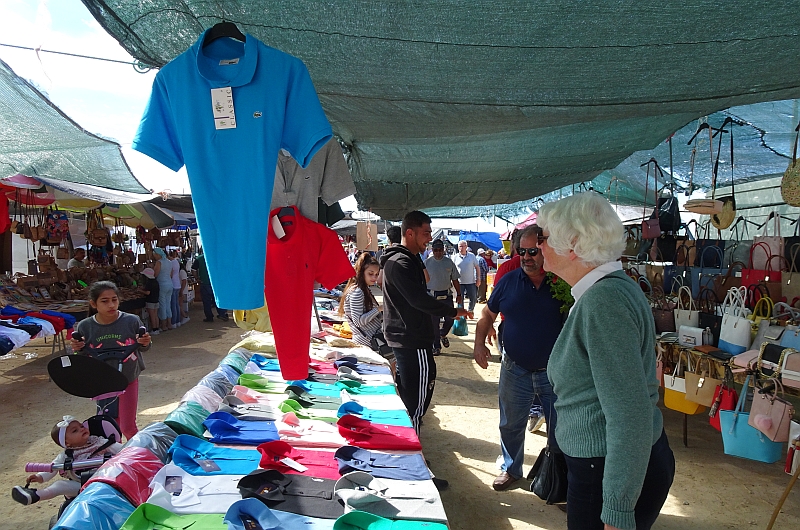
pixel 229 142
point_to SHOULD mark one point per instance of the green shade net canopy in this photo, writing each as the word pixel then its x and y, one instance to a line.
pixel 38 140
pixel 453 103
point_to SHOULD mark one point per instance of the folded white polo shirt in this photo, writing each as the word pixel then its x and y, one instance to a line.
pixel 181 493
pixel 396 499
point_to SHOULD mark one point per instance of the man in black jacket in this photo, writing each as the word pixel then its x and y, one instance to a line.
pixel 407 311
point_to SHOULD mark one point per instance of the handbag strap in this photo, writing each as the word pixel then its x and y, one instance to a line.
pixel 764 304
pixel 688 291
pixel 767 252
pixel 717 250
pixel 740 404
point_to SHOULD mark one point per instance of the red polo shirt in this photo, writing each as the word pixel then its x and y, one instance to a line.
pixel 307 252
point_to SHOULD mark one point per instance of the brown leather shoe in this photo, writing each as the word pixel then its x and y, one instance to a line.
pixel 504 481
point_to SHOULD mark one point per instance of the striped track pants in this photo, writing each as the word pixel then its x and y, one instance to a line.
pixel 416 376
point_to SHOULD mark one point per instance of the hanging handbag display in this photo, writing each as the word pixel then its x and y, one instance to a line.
pixel 633 241
pixel 675 389
pixel 686 314
pixel 735 331
pixel 742 440
pixel 701 383
pixel 723 219
pixel 723 283
pixel 738 248
pixel 790 369
pixel 767 332
pixel 790 281
pixel 773 243
pixel 710 316
pixel 705 273
pixel 651 228
pixel 725 398
pixel 790 183
pixel 771 414
pixel 549 477
pixel 663 312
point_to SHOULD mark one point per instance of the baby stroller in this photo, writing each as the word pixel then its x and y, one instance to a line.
pixel 98 425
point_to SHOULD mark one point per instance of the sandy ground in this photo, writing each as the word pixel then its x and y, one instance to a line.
pixel 711 490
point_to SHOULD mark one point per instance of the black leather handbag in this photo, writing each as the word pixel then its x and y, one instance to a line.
pixel 549 477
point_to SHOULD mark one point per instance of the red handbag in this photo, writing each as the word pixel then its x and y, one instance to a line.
pixel 725 398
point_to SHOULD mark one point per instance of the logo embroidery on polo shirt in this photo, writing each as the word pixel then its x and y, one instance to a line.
pixel 257 114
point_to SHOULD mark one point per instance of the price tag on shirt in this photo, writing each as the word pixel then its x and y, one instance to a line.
pixel 173 485
pixel 249 522
pixel 222 106
pixel 277 228
pixel 208 465
pixel 297 466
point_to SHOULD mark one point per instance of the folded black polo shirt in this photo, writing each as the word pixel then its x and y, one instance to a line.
pixel 309 496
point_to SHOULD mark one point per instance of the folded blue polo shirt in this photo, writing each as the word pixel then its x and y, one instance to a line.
pixel 192 455
pixel 387 417
pixel 241 515
pixel 227 429
pixel 382 465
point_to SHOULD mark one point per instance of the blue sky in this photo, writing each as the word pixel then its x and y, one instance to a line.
pixel 102 97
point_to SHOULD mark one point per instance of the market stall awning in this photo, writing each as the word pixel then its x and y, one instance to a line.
pixel 486 102
pixel 38 140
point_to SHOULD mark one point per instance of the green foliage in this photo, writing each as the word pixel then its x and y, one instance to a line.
pixel 561 291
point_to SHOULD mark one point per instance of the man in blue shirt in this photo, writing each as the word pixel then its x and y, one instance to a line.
pixel 532 324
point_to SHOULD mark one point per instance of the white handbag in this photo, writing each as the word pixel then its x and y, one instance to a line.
pixel 676 380
pixel 735 331
pixel 686 316
pixel 691 336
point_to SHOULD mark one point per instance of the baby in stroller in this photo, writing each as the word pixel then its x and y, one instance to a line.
pixel 95 438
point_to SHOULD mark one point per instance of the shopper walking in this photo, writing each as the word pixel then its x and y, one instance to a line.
pixel 206 291
pixel 469 273
pixel 163 270
pixel 442 273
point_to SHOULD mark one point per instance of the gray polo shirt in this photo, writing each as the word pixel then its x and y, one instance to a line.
pixel 325 176
pixel 442 273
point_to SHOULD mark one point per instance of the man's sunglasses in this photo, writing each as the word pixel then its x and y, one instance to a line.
pixel 531 251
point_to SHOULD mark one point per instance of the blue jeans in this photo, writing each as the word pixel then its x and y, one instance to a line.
pixel 517 390
pixel 175 306
pixel 207 292
pixel 585 488
pixel 469 290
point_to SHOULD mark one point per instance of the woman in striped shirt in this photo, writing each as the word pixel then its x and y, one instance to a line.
pixel 359 306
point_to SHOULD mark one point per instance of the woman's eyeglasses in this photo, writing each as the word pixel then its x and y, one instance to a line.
pixel 531 251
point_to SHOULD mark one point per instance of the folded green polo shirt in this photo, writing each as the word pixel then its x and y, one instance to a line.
pixel 301 412
pixel 152 517
pixel 366 521
pixel 261 384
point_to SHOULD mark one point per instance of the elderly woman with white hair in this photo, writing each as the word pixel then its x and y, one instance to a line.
pixel 603 370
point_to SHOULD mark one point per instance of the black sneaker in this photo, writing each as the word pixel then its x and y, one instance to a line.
pixel 445 342
pixel 24 496
pixel 224 318
pixel 436 351
pixel 440 483
pixel 208 319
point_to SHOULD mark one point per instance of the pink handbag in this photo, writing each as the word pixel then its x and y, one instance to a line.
pixel 771 414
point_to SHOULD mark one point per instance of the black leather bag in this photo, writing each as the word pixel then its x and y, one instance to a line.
pixel 549 476
pixel 378 344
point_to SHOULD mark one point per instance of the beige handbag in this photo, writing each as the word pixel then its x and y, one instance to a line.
pixel 700 385
pixel 770 414
pixel 790 183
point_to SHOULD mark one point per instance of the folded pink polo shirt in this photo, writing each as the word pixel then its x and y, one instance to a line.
pixel 367 435
pixel 320 464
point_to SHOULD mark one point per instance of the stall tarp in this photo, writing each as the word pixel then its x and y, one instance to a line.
pixel 436 106
pixel 491 240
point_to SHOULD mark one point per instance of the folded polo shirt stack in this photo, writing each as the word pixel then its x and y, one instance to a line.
pixel 382 465
pixel 283 457
pixel 199 457
pixel 305 495
pixel 398 499
pixel 227 429
pixel 363 433
pixel 387 417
